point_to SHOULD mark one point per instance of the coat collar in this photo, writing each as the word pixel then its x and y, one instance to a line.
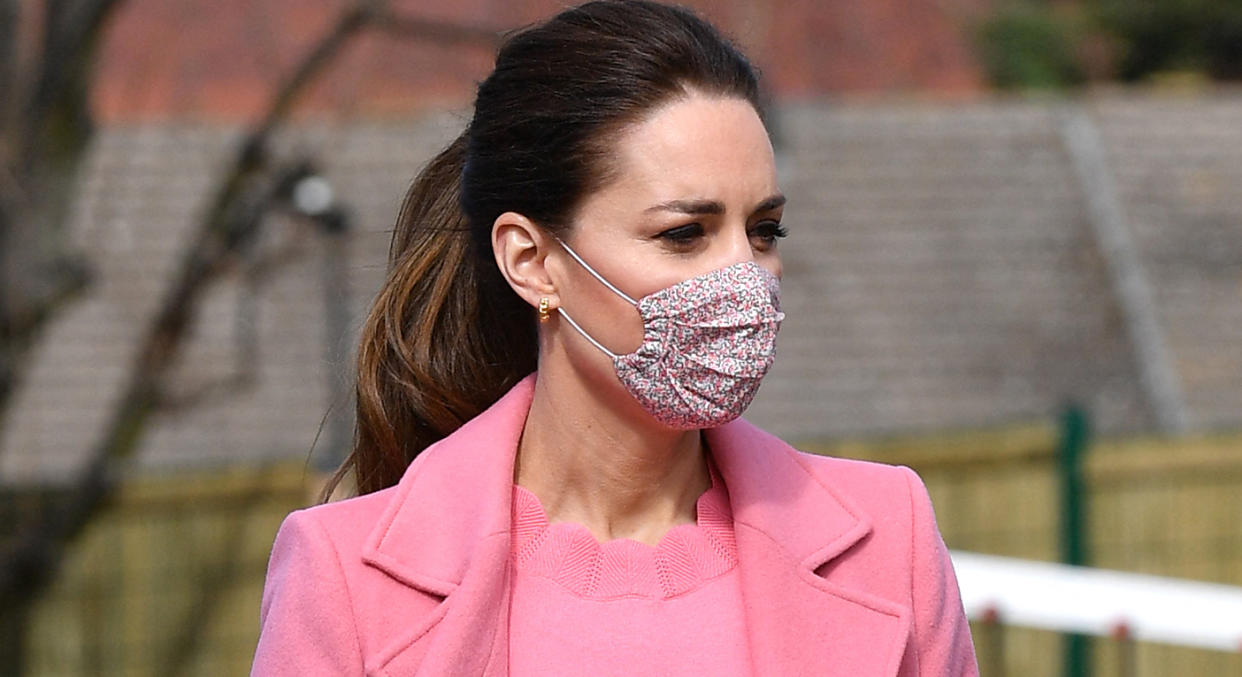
pixel 455 495
pixel 446 529
pixel 776 494
pixel 788 523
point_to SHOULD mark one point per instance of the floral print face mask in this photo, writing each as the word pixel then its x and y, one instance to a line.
pixel 707 343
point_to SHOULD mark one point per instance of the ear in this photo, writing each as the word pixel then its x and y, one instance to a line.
pixel 521 250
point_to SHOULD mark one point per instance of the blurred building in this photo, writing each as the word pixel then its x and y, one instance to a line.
pixel 182 58
pixel 946 267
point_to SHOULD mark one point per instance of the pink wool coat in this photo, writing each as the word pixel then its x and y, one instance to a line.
pixel 842 569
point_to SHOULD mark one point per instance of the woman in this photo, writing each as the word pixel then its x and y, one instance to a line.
pixel 610 217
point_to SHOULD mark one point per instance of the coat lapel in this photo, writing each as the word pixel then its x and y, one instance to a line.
pixel 788 525
pixel 471 636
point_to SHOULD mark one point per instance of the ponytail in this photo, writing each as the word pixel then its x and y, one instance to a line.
pixel 445 338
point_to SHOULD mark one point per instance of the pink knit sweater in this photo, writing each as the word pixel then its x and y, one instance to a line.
pixel 623 607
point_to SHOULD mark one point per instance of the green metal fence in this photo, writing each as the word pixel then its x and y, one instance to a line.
pixel 1163 506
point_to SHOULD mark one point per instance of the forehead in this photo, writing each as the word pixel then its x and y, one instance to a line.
pixel 696 147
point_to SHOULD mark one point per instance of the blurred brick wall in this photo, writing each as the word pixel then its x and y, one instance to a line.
pixel 219 60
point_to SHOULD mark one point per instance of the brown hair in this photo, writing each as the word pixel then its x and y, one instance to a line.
pixel 447 336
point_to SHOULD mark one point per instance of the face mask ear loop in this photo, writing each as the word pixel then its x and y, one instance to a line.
pixel 596 275
pixel 585 335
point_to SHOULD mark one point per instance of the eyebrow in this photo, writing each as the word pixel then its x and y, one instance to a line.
pixel 771 203
pixel 711 206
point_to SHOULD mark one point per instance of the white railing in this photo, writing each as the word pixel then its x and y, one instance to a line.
pixel 1100 602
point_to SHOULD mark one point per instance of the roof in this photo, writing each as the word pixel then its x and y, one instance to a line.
pixel 168 57
pixel 941 272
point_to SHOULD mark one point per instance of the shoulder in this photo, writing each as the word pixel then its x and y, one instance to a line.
pixel 904 557
pixel 839 468
pixel 323 544
pixel 745 439
pixel 798 485
pixel 325 610
pixel 307 618
pixel 892 498
pixel 345 523
pixel 866 482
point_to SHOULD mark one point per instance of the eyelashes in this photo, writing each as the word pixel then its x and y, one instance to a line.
pixel 682 234
pixel 768 231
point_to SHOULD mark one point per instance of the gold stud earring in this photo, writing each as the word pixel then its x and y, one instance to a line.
pixel 543 309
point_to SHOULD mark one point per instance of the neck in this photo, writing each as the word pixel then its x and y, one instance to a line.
pixel 590 464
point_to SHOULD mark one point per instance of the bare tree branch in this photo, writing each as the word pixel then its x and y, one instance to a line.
pixel 251 187
pixel 350 21
pixel 233 219
pixel 211 392
pixel 10 15
pixel 44 129
pixel 71 32
pixel 406 26
pixel 258 272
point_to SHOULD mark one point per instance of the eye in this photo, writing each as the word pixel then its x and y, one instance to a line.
pixel 767 233
pixel 682 235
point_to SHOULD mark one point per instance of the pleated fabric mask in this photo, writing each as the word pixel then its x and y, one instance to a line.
pixel 707 344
